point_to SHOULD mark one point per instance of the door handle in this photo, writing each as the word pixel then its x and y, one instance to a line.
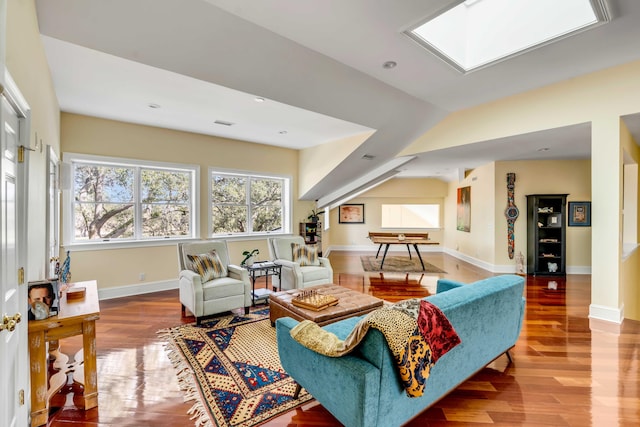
pixel 10 322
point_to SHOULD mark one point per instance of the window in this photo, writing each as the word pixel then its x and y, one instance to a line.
pixel 411 216
pixel 127 200
pixel 245 204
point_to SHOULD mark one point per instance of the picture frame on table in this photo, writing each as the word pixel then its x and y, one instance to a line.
pixel 43 299
pixel 352 213
pixel 579 214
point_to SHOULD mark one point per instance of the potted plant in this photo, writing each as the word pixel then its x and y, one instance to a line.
pixel 314 216
pixel 248 257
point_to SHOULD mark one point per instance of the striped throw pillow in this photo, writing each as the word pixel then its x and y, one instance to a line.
pixel 208 266
pixel 305 255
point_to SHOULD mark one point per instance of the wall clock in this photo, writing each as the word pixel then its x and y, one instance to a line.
pixel 511 213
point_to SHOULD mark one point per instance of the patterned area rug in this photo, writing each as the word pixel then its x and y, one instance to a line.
pixel 399 264
pixel 230 367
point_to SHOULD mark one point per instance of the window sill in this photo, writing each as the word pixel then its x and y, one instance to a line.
pixel 101 246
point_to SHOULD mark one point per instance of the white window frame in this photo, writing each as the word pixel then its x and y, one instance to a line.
pixel 401 225
pixel 287 202
pixel 69 241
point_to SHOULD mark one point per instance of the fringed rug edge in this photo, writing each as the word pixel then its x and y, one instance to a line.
pixel 186 380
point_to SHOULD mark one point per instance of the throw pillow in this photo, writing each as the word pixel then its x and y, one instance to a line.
pixel 305 254
pixel 208 266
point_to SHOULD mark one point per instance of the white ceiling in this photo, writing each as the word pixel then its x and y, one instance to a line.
pixel 318 64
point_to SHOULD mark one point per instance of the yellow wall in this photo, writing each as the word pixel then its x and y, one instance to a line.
pixel 26 61
pixel 317 162
pixel 630 274
pixel 600 98
pixel 394 191
pixel 479 242
pixel 119 267
pixel 572 177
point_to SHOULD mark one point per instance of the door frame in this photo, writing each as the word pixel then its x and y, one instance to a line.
pixel 14 96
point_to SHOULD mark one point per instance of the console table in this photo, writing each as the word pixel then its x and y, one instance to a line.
pixel 76 317
pixel 263 269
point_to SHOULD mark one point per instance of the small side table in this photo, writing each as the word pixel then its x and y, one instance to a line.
pixel 263 269
pixel 74 318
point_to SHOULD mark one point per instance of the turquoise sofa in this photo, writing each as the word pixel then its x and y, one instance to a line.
pixel 363 388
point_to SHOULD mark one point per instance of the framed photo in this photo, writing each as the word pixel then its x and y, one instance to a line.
pixel 580 214
pixel 39 293
pixel 351 214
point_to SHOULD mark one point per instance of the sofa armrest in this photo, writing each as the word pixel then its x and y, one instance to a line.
pixel 238 272
pixel 192 277
pixel 347 386
pixel 287 264
pixel 447 284
pixel 190 287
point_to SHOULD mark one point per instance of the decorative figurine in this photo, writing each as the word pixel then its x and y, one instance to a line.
pixel 65 270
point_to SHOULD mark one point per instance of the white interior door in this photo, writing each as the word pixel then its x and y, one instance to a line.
pixel 13 292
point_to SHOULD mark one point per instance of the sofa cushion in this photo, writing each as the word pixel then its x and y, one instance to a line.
pixel 313 273
pixel 281 246
pixel 207 265
pixel 305 255
pixel 222 288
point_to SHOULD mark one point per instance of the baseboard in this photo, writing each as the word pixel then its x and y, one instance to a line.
pixel 479 263
pixel 606 314
pixel 137 289
pixel 579 269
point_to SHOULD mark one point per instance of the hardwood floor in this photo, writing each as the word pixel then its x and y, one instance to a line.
pixel 564 374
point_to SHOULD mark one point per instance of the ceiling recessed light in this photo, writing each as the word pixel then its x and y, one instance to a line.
pixel 368 157
pixel 389 65
pixel 223 123
pixel 152 105
pixel 283 132
pixel 259 99
pixel 543 149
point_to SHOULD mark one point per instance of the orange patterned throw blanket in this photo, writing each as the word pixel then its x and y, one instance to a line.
pixel 416 331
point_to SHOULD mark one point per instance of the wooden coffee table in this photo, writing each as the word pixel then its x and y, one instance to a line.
pixel 350 303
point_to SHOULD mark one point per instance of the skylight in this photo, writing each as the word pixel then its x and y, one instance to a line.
pixel 477 33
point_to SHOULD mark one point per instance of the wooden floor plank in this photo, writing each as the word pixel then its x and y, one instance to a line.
pixel 564 374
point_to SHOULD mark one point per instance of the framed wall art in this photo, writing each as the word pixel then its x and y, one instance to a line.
pixel 463 222
pixel 351 214
pixel 579 214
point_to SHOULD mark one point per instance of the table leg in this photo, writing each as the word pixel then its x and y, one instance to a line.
pixel 409 250
pixel 415 246
pixel 378 253
pixel 90 365
pixel 386 249
pixel 252 275
pixel 38 367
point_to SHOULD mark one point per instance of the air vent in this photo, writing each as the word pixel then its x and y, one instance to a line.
pixel 223 123
pixel 368 157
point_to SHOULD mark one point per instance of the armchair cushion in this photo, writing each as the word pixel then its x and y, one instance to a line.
pixel 207 265
pixel 220 288
pixel 305 255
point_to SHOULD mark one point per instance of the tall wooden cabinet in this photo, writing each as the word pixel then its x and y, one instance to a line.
pixel 312 233
pixel 546 234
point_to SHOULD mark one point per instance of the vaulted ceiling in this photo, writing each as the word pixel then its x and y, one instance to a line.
pixel 318 66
